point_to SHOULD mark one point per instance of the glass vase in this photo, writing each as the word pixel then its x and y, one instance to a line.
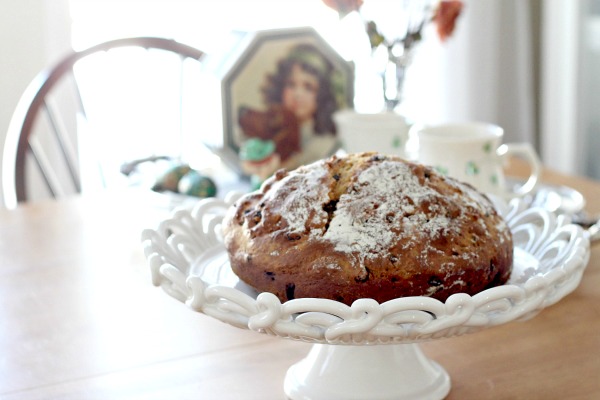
pixel 392 79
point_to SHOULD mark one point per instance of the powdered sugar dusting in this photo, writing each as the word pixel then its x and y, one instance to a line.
pixel 385 203
pixel 389 196
pixel 300 210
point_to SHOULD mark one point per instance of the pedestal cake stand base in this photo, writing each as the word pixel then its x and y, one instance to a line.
pixel 378 372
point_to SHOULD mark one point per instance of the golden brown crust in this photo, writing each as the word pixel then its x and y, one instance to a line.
pixel 367 226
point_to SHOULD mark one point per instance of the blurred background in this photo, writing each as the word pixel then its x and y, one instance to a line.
pixel 527 65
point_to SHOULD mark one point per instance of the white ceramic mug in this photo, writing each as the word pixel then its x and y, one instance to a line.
pixel 385 132
pixel 473 152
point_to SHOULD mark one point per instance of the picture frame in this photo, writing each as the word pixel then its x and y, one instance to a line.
pixel 278 89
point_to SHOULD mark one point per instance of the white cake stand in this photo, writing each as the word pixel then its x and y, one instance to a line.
pixel 367 350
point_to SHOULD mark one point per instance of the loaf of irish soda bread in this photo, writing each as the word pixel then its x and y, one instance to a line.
pixel 367 226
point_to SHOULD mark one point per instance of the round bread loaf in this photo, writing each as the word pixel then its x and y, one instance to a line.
pixel 367 226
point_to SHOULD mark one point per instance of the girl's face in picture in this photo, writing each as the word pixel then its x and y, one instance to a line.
pixel 300 93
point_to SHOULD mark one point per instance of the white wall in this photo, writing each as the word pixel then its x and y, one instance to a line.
pixel 561 139
pixel 590 95
pixel 33 33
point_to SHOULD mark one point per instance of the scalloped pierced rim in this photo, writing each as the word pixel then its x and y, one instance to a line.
pixel 188 260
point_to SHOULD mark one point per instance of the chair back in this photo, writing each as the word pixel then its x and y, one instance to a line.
pixel 45 137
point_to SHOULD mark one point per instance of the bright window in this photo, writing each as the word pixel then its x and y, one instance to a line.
pixel 138 124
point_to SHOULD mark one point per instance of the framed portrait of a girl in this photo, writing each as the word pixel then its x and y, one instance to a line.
pixel 278 98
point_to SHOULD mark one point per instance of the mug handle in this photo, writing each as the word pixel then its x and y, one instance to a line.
pixel 528 153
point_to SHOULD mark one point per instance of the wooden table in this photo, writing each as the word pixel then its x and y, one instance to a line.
pixel 79 319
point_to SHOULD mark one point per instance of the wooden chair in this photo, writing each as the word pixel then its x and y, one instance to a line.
pixel 41 133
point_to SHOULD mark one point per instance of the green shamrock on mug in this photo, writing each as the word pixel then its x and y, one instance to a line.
pixel 471 169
